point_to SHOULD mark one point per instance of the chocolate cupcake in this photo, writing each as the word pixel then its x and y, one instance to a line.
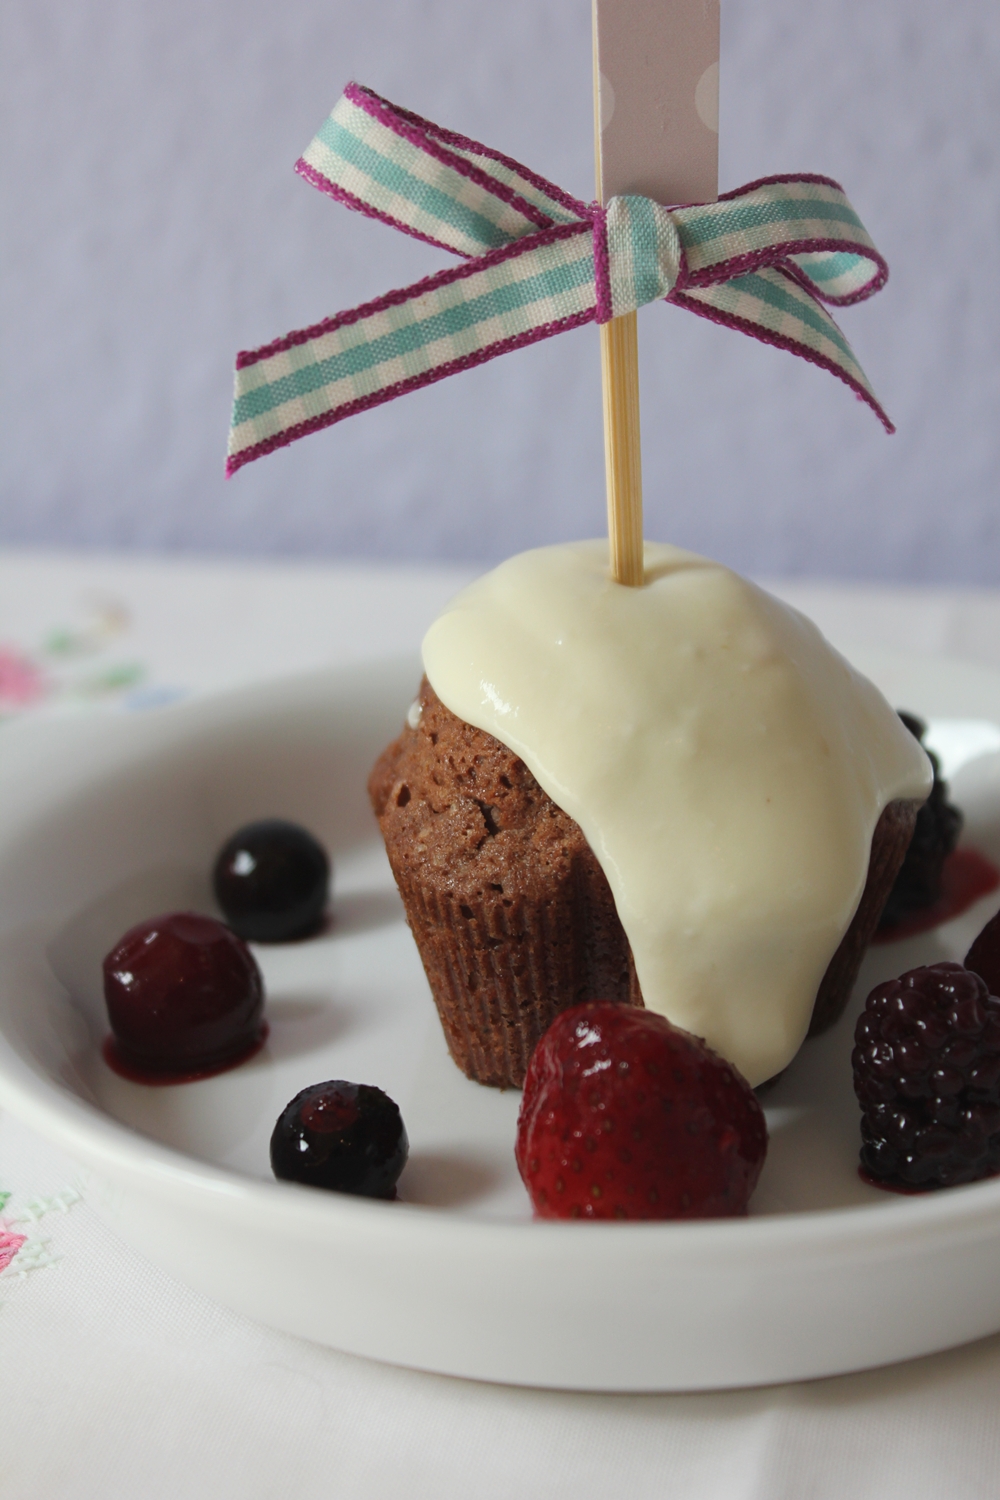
pixel 512 914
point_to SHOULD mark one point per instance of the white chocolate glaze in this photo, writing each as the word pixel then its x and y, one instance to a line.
pixel 726 765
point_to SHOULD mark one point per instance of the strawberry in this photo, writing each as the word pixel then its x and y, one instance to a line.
pixel 625 1116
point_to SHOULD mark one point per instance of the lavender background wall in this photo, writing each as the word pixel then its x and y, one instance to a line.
pixel 152 226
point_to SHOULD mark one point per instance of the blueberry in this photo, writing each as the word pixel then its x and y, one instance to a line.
pixel 184 994
pixel 346 1136
pixel 271 880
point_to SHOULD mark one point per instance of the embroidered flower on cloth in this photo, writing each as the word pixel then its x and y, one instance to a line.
pixel 10 1244
pixel 78 665
pixel 22 1248
pixel 21 681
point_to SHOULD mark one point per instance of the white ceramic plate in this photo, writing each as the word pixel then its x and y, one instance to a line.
pixel 111 820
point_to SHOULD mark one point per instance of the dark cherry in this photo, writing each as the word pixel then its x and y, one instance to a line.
pixel 184 996
pixel 346 1136
pixel 271 880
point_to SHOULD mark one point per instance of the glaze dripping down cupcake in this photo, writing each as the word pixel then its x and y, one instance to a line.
pixel 693 748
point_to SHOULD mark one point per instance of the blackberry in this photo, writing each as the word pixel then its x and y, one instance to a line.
pixel 939 823
pixel 927 1075
pixel 348 1137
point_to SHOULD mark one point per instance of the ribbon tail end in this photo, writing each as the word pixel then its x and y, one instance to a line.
pixel 887 423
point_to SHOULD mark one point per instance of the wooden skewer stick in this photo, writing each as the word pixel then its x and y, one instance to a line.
pixel 655 133
pixel 620 393
pixel 622 450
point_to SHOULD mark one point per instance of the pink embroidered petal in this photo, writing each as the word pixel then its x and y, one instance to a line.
pixel 10 1244
pixel 21 682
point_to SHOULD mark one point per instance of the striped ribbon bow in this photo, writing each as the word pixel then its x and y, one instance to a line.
pixel 536 262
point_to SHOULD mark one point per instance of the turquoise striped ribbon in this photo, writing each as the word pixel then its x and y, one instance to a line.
pixel 535 261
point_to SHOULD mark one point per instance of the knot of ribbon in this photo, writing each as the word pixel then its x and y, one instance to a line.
pixel 762 259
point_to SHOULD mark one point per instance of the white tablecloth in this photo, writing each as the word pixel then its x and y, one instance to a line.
pixel 117 1381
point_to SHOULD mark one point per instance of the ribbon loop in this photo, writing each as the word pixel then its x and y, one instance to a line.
pixel 804 223
pixel 433 184
pixel 536 262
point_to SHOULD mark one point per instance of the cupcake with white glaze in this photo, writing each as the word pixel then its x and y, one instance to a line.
pixel 677 795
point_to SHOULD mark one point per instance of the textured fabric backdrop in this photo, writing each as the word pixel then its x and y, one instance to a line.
pixel 153 226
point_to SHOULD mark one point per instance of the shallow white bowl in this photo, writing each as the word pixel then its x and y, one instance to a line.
pixel 111 820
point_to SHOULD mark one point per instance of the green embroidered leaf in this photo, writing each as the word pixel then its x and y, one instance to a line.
pixel 125 675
